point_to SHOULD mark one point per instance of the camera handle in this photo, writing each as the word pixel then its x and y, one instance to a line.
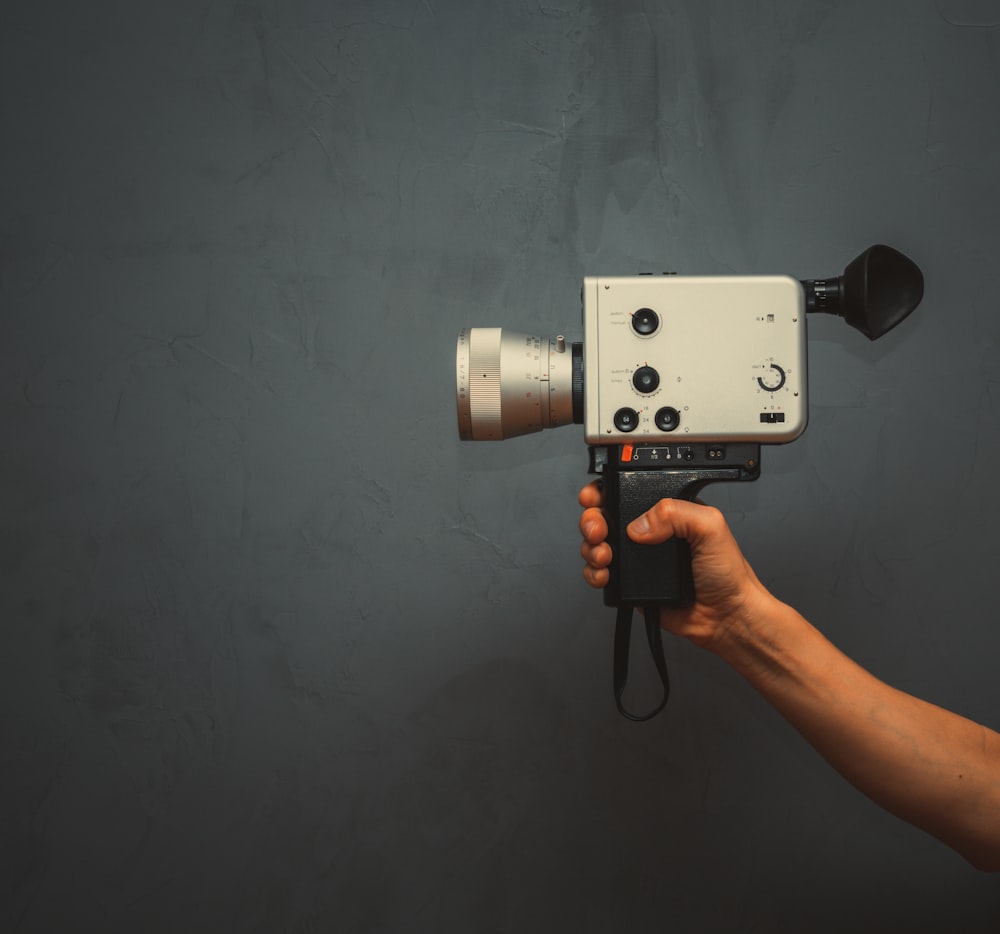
pixel 635 477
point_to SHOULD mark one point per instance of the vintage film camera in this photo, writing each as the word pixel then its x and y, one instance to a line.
pixel 678 382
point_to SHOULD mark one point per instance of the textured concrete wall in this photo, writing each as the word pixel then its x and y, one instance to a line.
pixel 278 652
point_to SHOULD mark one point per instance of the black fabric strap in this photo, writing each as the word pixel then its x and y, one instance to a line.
pixel 623 638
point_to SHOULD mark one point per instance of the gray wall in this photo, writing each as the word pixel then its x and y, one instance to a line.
pixel 279 653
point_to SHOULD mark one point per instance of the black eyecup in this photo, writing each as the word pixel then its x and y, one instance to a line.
pixel 877 291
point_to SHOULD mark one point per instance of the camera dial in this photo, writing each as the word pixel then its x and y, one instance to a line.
pixel 645 322
pixel 626 419
pixel 773 378
pixel 646 379
pixel 667 418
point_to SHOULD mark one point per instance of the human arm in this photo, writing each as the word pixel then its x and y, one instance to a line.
pixel 926 765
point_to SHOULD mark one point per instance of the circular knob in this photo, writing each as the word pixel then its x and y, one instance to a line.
pixel 646 379
pixel 773 378
pixel 626 419
pixel 667 418
pixel 645 321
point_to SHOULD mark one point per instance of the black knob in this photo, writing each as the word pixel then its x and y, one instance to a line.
pixel 667 418
pixel 645 321
pixel 626 419
pixel 646 379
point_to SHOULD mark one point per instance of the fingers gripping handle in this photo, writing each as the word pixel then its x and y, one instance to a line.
pixel 643 575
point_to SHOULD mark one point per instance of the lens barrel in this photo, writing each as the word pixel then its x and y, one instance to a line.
pixel 509 384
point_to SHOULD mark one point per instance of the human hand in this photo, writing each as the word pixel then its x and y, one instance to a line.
pixel 727 592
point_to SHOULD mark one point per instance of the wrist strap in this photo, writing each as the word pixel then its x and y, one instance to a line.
pixel 623 638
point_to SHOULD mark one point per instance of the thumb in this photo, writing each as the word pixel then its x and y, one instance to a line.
pixel 676 518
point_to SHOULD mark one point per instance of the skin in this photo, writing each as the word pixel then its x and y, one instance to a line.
pixel 926 765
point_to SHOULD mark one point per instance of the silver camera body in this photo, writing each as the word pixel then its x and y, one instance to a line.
pixel 692 358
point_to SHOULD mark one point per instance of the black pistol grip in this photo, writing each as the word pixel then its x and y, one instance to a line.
pixel 661 575
pixel 642 575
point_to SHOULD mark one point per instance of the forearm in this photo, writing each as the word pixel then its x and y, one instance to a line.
pixel 928 766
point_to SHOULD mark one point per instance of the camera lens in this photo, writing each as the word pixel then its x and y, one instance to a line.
pixel 645 379
pixel 626 419
pixel 645 321
pixel 667 418
pixel 509 384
